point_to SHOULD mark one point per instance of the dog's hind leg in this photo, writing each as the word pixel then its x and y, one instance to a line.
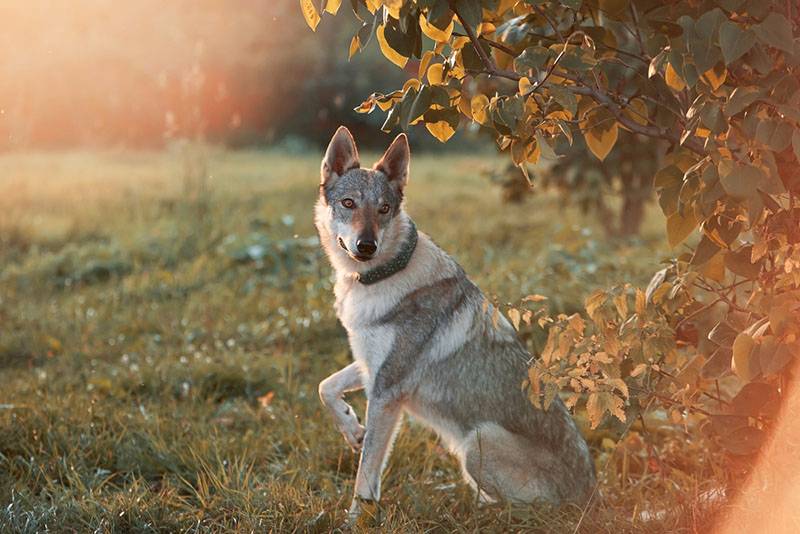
pixel 502 465
pixel 331 391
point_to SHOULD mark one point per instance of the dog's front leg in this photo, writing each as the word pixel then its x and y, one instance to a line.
pixel 331 391
pixel 383 418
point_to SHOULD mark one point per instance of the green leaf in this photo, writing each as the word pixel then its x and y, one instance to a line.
pixel 533 57
pixel 775 134
pixel 773 362
pixel 705 250
pixel 753 397
pixel 776 31
pixel 420 104
pixel 577 58
pixel 718 363
pixel 564 97
pixel 544 147
pixel 738 262
pixel 734 41
pixel 741 98
pixel 470 11
pixel 742 181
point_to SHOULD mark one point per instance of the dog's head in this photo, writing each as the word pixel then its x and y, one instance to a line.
pixel 362 203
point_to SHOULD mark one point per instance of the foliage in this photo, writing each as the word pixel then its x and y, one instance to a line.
pixel 717 81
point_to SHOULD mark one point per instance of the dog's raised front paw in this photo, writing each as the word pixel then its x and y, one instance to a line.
pixel 353 433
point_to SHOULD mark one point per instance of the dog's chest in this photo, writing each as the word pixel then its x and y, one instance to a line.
pixel 360 311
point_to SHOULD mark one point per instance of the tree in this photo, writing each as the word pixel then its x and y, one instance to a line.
pixel 717 82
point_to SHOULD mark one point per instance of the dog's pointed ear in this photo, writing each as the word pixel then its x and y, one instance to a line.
pixel 341 156
pixel 394 163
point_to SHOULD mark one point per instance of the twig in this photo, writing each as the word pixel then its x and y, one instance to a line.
pixel 600 96
pixel 552 24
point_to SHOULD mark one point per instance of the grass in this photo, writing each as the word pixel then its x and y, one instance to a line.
pixel 166 318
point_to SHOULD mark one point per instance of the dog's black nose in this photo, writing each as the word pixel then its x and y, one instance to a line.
pixel 366 246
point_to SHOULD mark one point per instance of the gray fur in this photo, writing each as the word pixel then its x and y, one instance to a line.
pixel 423 344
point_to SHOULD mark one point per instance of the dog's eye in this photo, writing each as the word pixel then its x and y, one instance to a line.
pixel 348 203
pixel 385 209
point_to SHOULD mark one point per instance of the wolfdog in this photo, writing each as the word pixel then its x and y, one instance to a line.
pixel 424 343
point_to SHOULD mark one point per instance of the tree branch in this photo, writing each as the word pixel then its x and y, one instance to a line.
pixel 581 87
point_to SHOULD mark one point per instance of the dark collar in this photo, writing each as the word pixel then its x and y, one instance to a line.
pixel 396 264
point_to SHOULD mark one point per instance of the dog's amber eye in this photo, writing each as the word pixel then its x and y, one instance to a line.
pixel 385 209
pixel 348 203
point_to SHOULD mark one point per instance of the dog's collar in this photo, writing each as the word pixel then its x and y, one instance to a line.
pixel 396 264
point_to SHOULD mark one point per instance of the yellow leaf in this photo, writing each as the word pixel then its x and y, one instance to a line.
pixel 716 76
pixel 524 85
pixel 436 34
pixel 464 106
pixel 424 62
pixel 641 302
pixel 373 5
pixel 621 303
pixel 637 111
pixel 459 42
pixel 310 14
pixel 679 227
pixel 479 105
pixel 534 298
pixel 366 106
pixel 601 402
pixel 355 44
pixel 742 352
pixel 436 74
pixel 411 82
pixel 393 7
pixel 673 79
pixel 534 154
pixel 332 6
pixel 515 316
pixel 620 385
pixel 390 53
pixel 715 268
pixel 440 130
pixel 600 141
pixel 639 369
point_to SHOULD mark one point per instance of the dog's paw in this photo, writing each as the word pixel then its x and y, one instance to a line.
pixel 351 428
pixel 353 433
pixel 363 513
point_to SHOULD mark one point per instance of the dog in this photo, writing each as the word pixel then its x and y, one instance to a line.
pixel 424 344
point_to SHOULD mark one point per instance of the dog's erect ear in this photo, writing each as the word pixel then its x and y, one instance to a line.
pixel 340 157
pixel 394 163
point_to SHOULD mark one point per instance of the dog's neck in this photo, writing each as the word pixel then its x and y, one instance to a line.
pixel 394 265
pixel 401 237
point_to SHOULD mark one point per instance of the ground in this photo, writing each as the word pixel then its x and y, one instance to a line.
pixel 162 336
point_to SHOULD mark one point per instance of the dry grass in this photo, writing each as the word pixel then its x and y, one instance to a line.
pixel 154 378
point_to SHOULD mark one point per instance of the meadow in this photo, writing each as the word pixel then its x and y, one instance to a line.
pixel 165 318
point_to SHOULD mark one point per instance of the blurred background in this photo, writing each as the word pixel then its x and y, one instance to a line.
pixel 138 74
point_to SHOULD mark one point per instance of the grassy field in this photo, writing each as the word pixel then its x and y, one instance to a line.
pixel 165 319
